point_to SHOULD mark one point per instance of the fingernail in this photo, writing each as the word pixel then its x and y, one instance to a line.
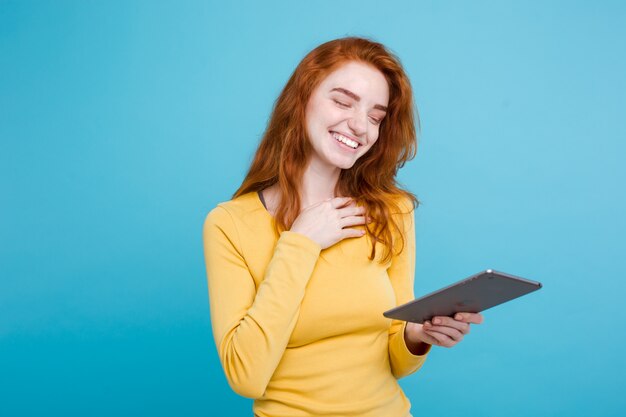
pixel 426 323
pixel 458 317
pixel 437 321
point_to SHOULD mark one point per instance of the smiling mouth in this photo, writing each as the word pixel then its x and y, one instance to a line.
pixel 346 141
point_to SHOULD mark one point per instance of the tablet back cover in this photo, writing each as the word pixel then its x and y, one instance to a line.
pixel 474 294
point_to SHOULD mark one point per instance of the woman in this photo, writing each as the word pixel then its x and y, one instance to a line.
pixel 318 241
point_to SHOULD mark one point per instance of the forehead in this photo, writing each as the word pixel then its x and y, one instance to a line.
pixel 362 79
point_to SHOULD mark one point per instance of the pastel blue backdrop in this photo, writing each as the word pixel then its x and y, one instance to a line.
pixel 122 123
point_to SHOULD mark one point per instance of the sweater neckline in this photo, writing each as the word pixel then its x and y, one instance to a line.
pixel 261 201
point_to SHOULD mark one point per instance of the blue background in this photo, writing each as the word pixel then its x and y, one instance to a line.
pixel 123 123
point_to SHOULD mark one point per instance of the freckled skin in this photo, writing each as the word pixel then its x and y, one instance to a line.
pixel 335 111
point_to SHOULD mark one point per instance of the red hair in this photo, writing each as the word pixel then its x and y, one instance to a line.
pixel 284 150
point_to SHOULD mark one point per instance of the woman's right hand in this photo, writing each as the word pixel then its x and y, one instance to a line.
pixel 330 221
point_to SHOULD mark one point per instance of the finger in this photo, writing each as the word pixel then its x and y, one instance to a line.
pixel 450 322
pixel 339 202
pixel 352 221
pixel 451 332
pixel 351 210
pixel 475 318
pixel 440 338
pixel 350 232
pixel 427 338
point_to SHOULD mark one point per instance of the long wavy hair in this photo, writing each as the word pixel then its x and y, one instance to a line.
pixel 285 148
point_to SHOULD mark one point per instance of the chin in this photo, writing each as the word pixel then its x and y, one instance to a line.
pixel 342 163
pixel 347 166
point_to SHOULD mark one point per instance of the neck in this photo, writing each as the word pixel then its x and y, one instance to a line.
pixel 318 183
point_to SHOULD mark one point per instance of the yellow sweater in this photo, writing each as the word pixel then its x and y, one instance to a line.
pixel 301 329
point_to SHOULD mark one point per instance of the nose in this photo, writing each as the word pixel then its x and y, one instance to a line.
pixel 358 124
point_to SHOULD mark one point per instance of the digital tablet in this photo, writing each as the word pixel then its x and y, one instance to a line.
pixel 472 295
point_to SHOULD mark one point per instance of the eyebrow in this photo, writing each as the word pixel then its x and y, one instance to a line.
pixel 357 98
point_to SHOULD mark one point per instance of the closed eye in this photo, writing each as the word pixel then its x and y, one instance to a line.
pixel 375 120
pixel 341 104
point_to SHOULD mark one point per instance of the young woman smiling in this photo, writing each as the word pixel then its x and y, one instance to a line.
pixel 319 240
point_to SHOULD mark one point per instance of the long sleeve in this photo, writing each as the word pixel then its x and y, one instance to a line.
pixel 402 275
pixel 252 326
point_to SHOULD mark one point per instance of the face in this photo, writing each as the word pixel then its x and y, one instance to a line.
pixel 344 113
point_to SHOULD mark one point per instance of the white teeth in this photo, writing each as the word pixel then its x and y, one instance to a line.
pixel 345 140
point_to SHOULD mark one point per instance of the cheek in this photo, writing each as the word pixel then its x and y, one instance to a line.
pixel 312 116
pixel 373 136
pixel 320 112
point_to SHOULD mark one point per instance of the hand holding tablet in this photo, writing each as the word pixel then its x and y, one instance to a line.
pixel 443 317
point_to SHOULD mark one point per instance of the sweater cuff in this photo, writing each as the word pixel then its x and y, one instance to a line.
pixel 403 362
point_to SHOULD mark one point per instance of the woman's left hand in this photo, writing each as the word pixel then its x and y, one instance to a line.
pixel 441 330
